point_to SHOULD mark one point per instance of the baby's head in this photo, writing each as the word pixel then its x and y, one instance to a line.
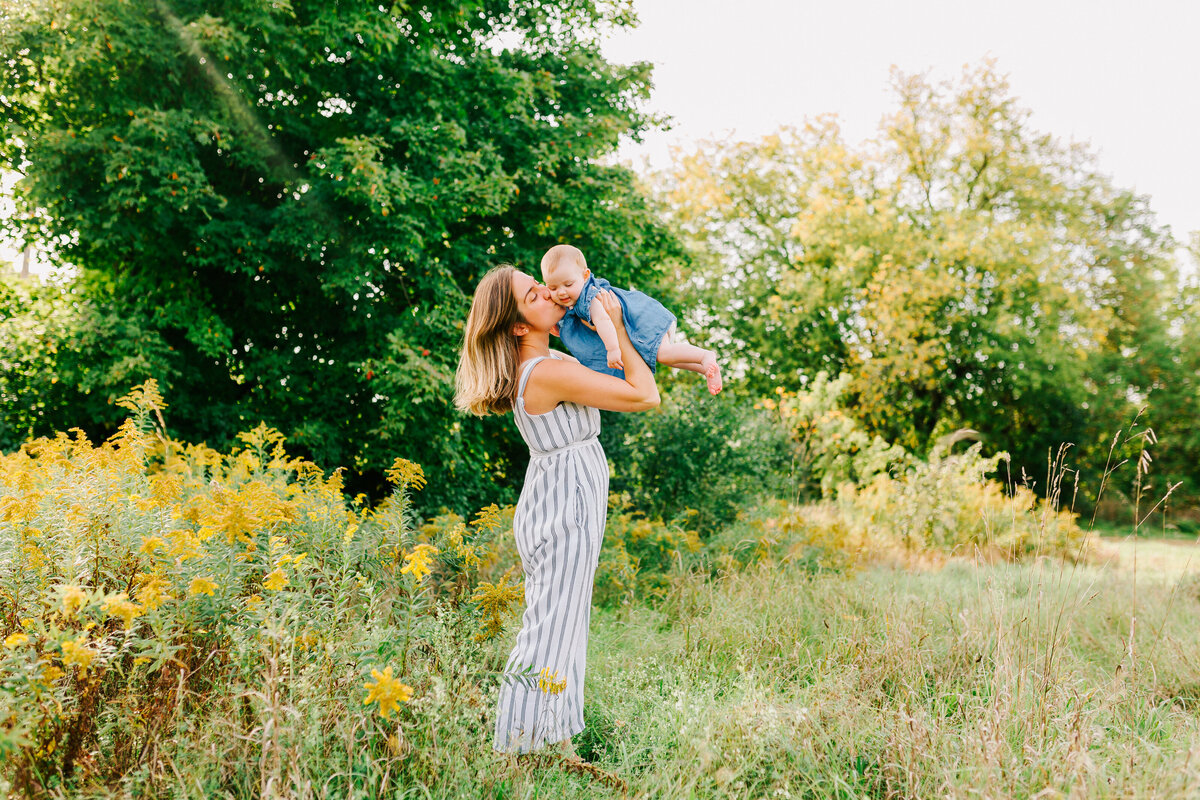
pixel 564 271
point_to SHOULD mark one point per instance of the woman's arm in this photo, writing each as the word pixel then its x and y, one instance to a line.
pixel 554 382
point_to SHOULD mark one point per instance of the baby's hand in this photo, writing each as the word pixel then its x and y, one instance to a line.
pixel 614 360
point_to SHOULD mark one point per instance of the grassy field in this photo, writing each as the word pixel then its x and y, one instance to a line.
pixel 971 681
pixel 180 622
pixel 1149 558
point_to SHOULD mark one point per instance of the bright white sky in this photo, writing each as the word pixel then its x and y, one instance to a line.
pixel 1123 75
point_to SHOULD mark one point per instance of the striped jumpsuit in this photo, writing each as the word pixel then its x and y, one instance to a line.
pixel 558 525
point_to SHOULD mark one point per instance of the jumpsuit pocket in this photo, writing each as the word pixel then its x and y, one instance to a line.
pixel 580 506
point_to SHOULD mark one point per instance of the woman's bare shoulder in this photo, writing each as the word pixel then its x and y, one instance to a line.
pixel 564 356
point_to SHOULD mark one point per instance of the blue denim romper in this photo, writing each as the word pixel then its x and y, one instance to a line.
pixel 646 320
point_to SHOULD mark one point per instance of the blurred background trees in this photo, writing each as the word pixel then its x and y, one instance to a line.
pixel 963 269
pixel 278 210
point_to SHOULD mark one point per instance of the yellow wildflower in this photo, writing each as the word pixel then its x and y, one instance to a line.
pixel 73 599
pixel 51 673
pixel 275 580
pixel 488 518
pixel 253 600
pixel 119 605
pixel 405 474
pixel 495 602
pixel 461 548
pixel 417 562
pixel 137 662
pixel 150 544
pixel 348 536
pixel 76 652
pixel 201 586
pixel 16 640
pixel 387 690
pixel 165 488
pixel 143 397
pixel 549 681
pixel 153 593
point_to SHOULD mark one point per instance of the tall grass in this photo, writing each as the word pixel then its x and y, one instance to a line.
pixel 975 681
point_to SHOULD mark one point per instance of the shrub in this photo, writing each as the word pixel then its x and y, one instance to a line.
pixel 830 447
pixel 945 506
pixel 697 455
pixel 640 555
pixel 170 610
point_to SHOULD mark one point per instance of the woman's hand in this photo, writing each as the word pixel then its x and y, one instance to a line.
pixel 608 299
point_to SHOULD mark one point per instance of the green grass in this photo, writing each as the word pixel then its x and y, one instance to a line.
pixel 973 681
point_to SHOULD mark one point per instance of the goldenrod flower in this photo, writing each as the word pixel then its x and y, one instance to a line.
pixel 153 593
pixel 201 586
pixel 253 600
pixel 495 601
pixel 550 682
pixel 143 397
pixel 488 518
pixel 76 652
pixel 150 544
pixel 73 599
pixel 119 605
pixel 404 473
pixel 275 580
pixel 388 691
pixel 16 640
pixel 417 562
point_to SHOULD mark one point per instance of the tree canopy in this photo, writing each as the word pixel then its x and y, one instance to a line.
pixel 963 268
pixel 290 203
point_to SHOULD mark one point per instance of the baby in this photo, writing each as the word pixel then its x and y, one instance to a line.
pixel 589 333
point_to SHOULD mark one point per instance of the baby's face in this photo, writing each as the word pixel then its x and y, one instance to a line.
pixel 565 280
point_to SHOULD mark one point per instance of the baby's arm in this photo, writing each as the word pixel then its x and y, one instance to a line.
pixel 608 334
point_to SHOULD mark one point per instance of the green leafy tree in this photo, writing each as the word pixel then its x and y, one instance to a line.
pixel 963 268
pixel 295 199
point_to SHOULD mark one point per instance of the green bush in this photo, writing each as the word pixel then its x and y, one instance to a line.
pixel 698 455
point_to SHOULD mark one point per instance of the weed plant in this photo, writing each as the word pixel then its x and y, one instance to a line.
pixel 182 622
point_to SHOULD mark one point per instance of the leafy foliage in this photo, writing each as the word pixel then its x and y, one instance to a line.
pixel 964 269
pixel 293 201
pixel 697 456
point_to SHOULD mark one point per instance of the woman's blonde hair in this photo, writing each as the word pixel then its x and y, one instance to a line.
pixel 486 381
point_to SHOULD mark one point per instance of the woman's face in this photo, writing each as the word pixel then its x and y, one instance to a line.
pixel 533 299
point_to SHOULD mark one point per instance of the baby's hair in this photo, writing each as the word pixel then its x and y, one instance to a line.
pixel 563 253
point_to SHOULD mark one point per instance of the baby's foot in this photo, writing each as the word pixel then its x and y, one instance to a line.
pixel 712 373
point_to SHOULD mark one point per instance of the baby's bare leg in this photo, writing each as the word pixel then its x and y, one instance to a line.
pixel 695 359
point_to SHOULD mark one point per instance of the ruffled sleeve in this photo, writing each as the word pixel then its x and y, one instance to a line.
pixel 583 306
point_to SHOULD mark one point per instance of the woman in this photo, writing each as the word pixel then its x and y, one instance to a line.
pixel 506 364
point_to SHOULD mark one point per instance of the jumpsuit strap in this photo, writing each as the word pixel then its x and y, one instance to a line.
pixel 526 370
